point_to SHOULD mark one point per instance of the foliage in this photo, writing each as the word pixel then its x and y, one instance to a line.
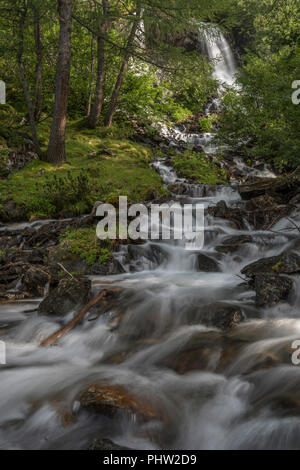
pixel 199 168
pixel 84 243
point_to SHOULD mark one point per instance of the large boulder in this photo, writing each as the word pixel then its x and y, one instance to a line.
pixel 67 296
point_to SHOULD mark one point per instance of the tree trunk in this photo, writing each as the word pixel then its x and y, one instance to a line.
pixel 89 102
pixel 57 145
pixel 39 64
pixel 24 82
pixel 96 108
pixel 123 70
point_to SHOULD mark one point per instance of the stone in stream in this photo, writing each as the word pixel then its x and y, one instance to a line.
pixel 286 263
pixel 271 289
pixel 109 400
pixel 105 445
pixel 68 295
pixel 281 189
pixel 35 281
pixel 232 244
pixel 221 316
pixel 207 264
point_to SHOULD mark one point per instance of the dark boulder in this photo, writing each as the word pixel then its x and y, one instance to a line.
pixel 67 296
pixel 286 263
pixel 207 264
pixel 271 289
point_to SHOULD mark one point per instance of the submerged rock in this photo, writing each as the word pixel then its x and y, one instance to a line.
pixel 68 295
pixel 111 399
pixel 221 316
pixel 207 264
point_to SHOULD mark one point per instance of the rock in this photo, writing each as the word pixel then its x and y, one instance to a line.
pixel 12 212
pixel 96 205
pixel 220 209
pixel 232 244
pixel 67 296
pixel 112 399
pixel 271 289
pixel 35 281
pixel 286 263
pixel 151 251
pixel 281 189
pixel 207 264
pixel 221 316
pixel 106 445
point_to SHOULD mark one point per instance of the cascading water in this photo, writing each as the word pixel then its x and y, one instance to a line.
pixel 203 387
pixel 220 54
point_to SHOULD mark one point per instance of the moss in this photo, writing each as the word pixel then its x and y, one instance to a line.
pixel 84 243
pixel 199 168
pixel 113 166
pixel 277 266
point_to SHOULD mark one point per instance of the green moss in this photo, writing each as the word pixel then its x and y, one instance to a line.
pixel 277 266
pixel 112 167
pixel 84 243
pixel 199 168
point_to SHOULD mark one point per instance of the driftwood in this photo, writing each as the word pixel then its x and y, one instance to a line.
pixel 78 318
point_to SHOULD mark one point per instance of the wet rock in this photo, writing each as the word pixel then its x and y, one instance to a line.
pixel 152 252
pixel 35 281
pixel 220 209
pixel 259 202
pixel 222 316
pixel 112 399
pixel 286 263
pixel 271 289
pixel 207 264
pixel 106 445
pixel 67 296
pixel 232 244
pixel 11 274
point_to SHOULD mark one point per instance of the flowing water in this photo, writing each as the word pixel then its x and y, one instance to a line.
pixel 210 389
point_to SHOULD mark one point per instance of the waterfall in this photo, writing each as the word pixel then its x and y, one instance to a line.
pixel 220 54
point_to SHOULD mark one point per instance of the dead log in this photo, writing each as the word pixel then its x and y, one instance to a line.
pixel 78 318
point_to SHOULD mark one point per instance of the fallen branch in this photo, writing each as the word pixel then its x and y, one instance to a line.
pixel 79 318
pixel 67 272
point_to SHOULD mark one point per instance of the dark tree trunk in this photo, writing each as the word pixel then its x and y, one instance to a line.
pixel 39 64
pixel 57 145
pixel 96 108
pixel 89 102
pixel 24 82
pixel 123 70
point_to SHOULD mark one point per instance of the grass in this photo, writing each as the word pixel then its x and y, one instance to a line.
pixel 110 166
pixel 197 167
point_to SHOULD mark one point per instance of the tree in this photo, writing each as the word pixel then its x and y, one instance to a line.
pixel 124 66
pixel 57 144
